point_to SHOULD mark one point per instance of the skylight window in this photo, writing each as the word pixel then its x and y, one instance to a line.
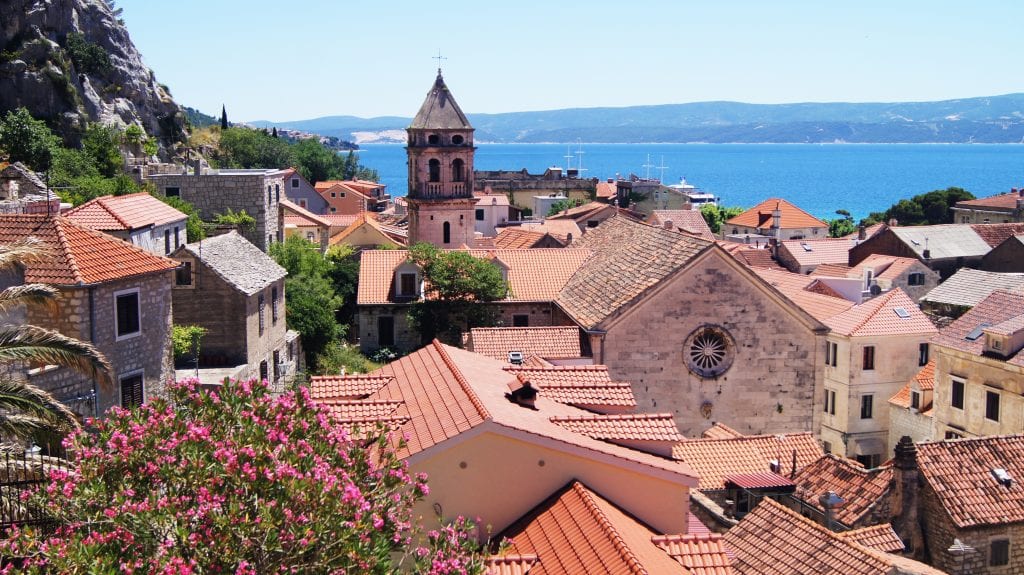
pixel 976 332
pixel 806 246
pixel 915 242
pixel 904 314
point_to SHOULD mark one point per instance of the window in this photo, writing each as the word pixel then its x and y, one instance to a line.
pixel 277 193
pixel 333 210
pixel 458 170
pixel 831 353
pixel 434 169
pixel 277 365
pixel 167 242
pixel 870 461
pixel 985 221
pixel 869 357
pixel 950 434
pixel 520 320
pixel 479 215
pixel 310 236
pixel 433 139
pixel 458 140
pixel 922 354
pixel 295 182
pixel 991 406
pixel 915 400
pixel 709 351
pixel 183 275
pixel 999 552
pixel 915 279
pixel 270 196
pixel 866 405
pixel 273 305
pixel 127 311
pixel 172 192
pixel 131 391
pixel 341 194
pixel 447 230
pixel 830 402
pixel 826 446
pixel 385 331
pixel 263 370
pixel 957 397
pixel 177 237
pixel 262 304
pixel 302 203
pixel 334 194
pixel 407 285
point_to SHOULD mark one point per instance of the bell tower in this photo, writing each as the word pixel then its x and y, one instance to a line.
pixel 440 150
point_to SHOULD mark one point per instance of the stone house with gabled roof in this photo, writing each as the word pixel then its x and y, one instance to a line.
pixel 111 294
pixel 237 293
pixel 139 219
pixel 886 272
pixel 300 192
pixel 912 409
pixel 695 331
pixel 1000 208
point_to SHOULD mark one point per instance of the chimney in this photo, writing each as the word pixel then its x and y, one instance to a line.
pixel 667 225
pixel 927 253
pixel 904 500
pixel 521 392
pixel 830 501
pixel 862 232
pixel 893 222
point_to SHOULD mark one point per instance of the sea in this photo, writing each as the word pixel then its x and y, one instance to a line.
pixel 820 178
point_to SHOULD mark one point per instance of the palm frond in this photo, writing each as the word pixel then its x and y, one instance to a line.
pixel 36 344
pixel 28 408
pixel 28 250
pixel 28 294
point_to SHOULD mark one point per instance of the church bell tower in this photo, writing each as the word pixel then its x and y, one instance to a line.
pixel 440 150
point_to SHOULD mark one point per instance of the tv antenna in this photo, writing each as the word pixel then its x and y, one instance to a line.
pixel 439 58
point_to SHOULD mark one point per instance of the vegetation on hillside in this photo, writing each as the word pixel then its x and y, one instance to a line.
pixel 715 215
pixel 923 209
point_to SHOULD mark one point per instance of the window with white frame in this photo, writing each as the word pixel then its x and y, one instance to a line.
pixel 127 314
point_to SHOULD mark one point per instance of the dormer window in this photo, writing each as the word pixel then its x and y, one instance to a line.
pixel 407 285
pixel 408 282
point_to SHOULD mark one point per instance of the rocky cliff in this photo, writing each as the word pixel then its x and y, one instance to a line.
pixel 71 62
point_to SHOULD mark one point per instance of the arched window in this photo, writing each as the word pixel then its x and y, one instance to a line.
pixel 457 140
pixel 447 233
pixel 433 139
pixel 458 170
pixel 435 170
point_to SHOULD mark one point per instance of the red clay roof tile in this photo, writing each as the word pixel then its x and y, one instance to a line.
pixel 760 216
pixel 128 212
pixel 700 553
pixel 690 221
pixel 716 459
pixel 861 488
pixel 546 342
pixel 881 537
pixel 996 308
pixel 881 316
pixel 623 427
pixel 358 386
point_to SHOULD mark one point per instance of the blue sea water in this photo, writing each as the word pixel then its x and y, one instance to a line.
pixel 820 178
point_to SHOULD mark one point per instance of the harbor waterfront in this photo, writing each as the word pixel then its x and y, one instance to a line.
pixel 820 178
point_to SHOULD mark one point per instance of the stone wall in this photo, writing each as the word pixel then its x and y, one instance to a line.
pixel 1007 257
pixel 982 374
pixel 427 219
pixel 940 532
pixel 774 379
pixel 257 192
pixel 910 422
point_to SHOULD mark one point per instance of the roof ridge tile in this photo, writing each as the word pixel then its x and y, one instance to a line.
pixel 461 379
pixel 69 254
pixel 606 525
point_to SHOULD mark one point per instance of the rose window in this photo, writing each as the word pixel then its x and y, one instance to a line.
pixel 709 351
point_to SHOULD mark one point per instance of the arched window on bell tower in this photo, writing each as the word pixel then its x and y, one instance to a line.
pixel 447 233
pixel 458 170
pixel 435 170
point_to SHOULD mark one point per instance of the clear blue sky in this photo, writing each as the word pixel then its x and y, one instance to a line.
pixel 297 59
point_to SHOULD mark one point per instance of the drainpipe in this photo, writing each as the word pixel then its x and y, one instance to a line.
pixel 92 340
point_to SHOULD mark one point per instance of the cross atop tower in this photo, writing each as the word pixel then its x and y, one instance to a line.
pixel 439 58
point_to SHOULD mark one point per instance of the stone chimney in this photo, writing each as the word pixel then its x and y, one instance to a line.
pixel 667 225
pixel 893 222
pixel 1020 198
pixel 905 498
pixel 862 232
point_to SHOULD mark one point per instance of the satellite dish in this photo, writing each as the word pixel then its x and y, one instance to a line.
pixel 875 289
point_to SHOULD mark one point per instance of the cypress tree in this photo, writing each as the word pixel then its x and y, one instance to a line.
pixel 274 133
pixel 223 117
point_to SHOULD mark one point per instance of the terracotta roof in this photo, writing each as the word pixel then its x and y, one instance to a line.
pixel 367 219
pixel 628 259
pixel 128 212
pixel 1006 201
pixel 861 488
pixel 365 412
pixel 447 391
pixel 439 110
pixel 960 474
pixel 358 386
pixel 293 211
pixel 533 275
pixel 817 252
pixel 995 234
pixel 509 564
pixel 760 216
pixel 892 313
pixel 606 190
pixel 750 255
pixel 720 431
pixel 623 427
pixel 236 261
pixel 923 380
pixel 691 221
pixel 342 220
pixel 516 238
pixel 716 459
pixel 832 270
pixel 491 200
pixel 80 256
pixel 586 386
pixel 884 266
pixel 577 531
pixel 584 212
pixel 700 553
pixel 546 342
pixel 795 288
pixel 759 480
pixel 995 309
pixel 775 540
pixel 967 287
pixel 559 229
pixel 881 537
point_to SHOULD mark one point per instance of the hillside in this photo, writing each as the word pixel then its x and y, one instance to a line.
pixel 71 62
pixel 996 119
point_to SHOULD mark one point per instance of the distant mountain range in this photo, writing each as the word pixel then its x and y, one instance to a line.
pixel 995 119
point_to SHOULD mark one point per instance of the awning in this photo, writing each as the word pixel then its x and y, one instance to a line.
pixel 763 481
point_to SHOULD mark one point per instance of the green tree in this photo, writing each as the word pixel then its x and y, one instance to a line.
pixel 456 286
pixel 194 225
pixel 88 57
pixel 26 139
pixel 223 117
pixel 843 226
pixel 353 170
pixel 246 148
pixel 923 209
pixel 101 143
pixel 185 341
pixel 316 162
pixel 24 408
pixel 240 219
pixel 559 206
pixel 716 215
pixel 344 274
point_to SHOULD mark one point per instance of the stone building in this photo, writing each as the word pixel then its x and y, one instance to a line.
pixel 966 289
pixel 236 292
pixel 440 149
pixel 911 410
pixel 521 186
pixel 139 219
pixel 213 192
pixel 1001 208
pixel 351 198
pixel 886 272
pixel 687 221
pixel 979 370
pixel 17 181
pixel 776 218
pixel 696 332
pixel 1007 257
pixel 112 295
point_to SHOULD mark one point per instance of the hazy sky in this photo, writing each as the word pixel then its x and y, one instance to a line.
pixel 298 59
